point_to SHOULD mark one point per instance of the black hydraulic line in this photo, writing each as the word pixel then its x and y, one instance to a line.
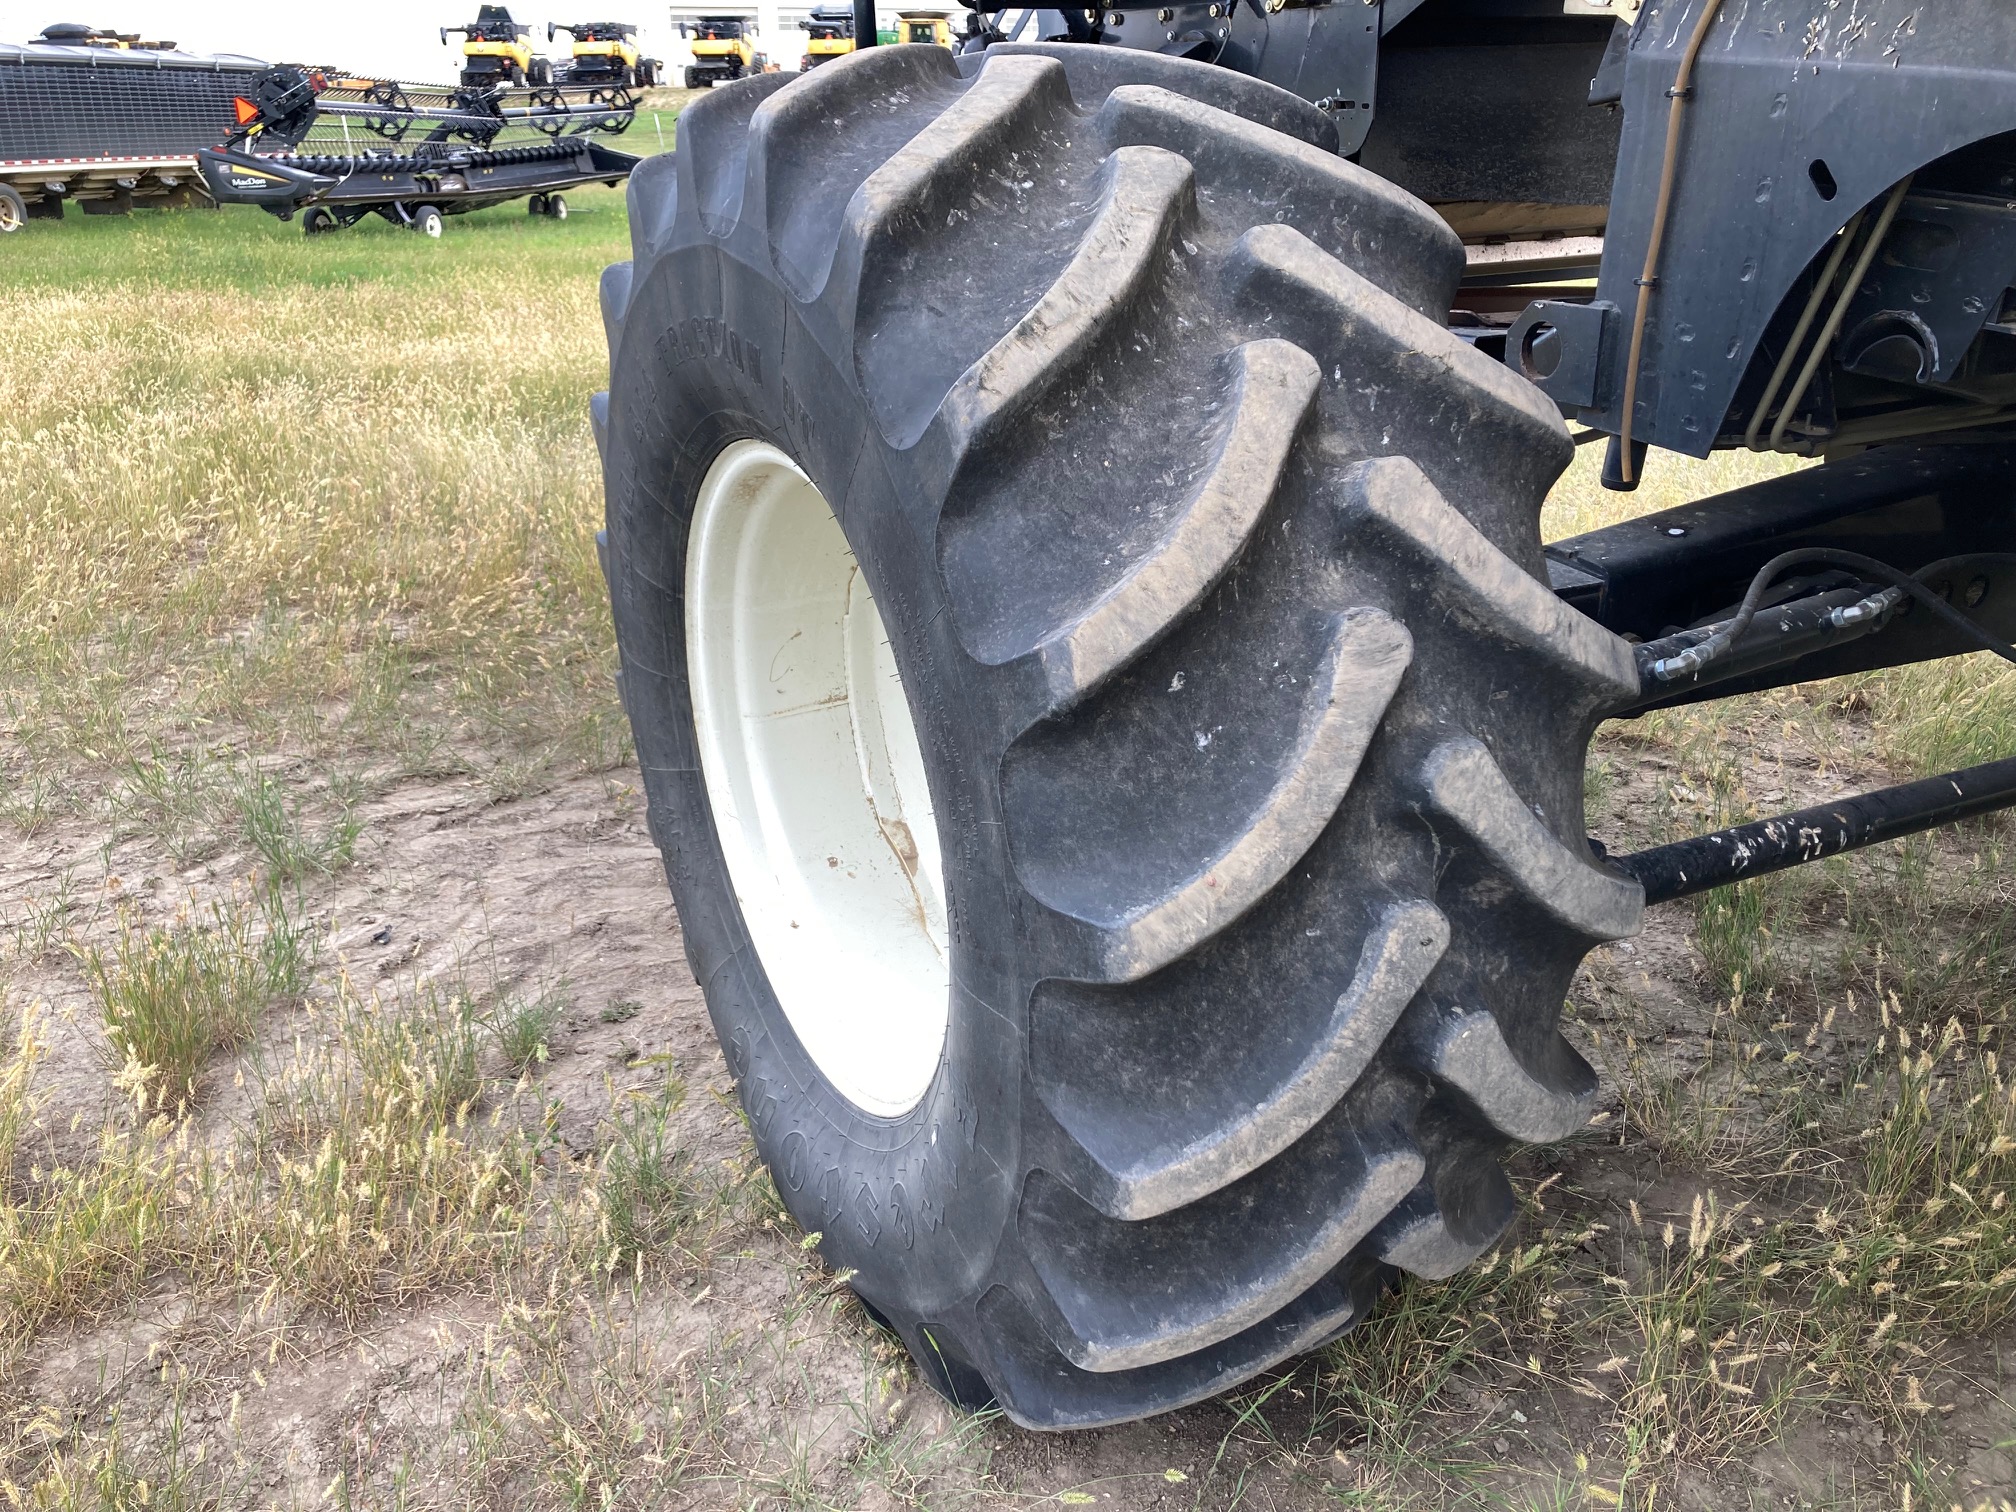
pixel 1782 633
pixel 1687 867
pixel 1657 668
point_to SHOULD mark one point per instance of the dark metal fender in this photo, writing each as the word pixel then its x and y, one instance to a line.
pixel 1328 54
pixel 1872 91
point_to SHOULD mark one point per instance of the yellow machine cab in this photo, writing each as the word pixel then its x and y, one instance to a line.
pixel 829 34
pixel 924 26
pixel 498 50
pixel 605 52
pixel 724 45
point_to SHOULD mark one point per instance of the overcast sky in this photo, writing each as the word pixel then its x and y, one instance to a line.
pixel 394 38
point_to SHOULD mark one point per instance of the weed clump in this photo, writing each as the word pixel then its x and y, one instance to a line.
pixel 382 1179
pixel 524 1029
pixel 21 1050
pixel 79 1235
pixel 170 997
pixel 292 847
pixel 645 1191
pixel 1938 1174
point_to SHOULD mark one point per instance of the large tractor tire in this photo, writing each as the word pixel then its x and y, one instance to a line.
pixel 1116 757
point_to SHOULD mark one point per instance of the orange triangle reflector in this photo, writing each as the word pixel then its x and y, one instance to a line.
pixel 247 111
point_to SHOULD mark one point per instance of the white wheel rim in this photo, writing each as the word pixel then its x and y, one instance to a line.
pixel 816 779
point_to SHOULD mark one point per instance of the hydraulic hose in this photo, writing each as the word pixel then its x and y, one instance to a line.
pixel 1839 312
pixel 1805 324
pixel 1662 202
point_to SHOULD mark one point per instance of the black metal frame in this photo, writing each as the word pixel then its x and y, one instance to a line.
pixel 472 180
pixel 1908 506
pixel 1686 867
pixel 355 146
pixel 1662 579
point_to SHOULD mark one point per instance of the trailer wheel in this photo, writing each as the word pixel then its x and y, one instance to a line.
pixel 556 206
pixel 427 221
pixel 13 209
pixel 1115 754
pixel 536 205
pixel 317 221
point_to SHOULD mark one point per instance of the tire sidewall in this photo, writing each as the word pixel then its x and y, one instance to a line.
pixel 714 353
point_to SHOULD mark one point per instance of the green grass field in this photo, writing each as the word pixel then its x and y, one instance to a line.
pixel 361 1139
pixel 338 491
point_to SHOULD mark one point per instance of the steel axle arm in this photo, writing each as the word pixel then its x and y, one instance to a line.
pixel 1687 867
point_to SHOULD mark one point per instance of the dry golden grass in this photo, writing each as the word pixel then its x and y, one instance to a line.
pixel 339 511
pixel 170 997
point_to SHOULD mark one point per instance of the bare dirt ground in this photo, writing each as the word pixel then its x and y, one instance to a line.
pixel 561 894
pixel 750 1378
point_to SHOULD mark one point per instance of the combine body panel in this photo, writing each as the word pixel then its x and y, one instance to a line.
pixel 829 34
pixel 725 46
pixel 109 125
pixel 1786 147
pixel 498 50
